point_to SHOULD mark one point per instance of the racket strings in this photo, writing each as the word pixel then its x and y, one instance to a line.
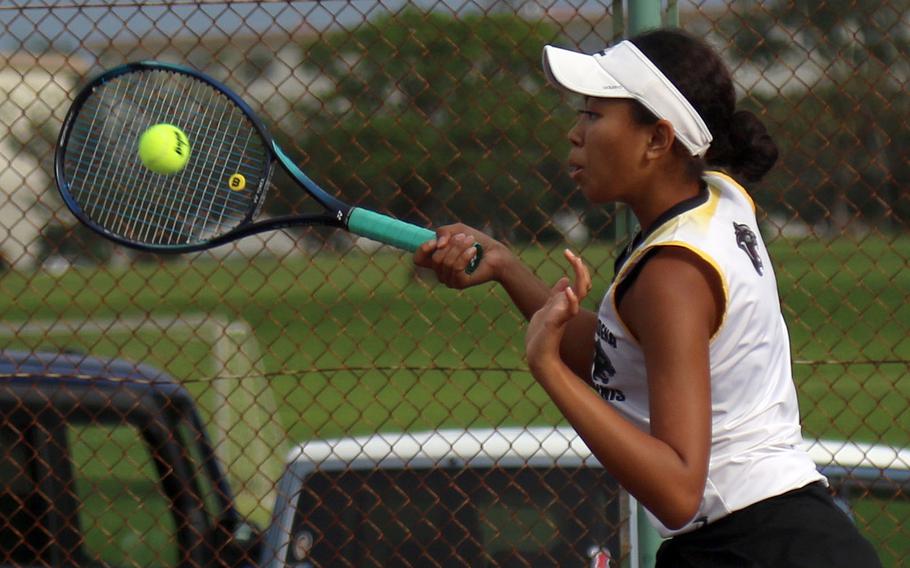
pixel 115 190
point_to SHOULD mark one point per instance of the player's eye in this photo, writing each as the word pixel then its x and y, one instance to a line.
pixel 587 115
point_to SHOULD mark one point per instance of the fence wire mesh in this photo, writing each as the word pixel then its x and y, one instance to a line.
pixel 157 410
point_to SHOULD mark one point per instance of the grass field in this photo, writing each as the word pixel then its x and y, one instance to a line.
pixel 334 327
pixel 354 344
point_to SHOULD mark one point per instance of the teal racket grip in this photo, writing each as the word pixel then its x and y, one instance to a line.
pixel 399 234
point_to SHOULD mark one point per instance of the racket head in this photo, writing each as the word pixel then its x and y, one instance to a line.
pixel 104 183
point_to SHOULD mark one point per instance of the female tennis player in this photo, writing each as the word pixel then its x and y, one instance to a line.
pixel 693 407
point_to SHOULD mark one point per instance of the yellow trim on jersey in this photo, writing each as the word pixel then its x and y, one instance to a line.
pixel 701 214
pixel 704 213
pixel 735 184
pixel 682 244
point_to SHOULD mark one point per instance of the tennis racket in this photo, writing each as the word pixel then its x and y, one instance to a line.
pixel 217 196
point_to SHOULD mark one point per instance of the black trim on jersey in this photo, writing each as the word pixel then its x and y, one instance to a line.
pixel 675 211
pixel 630 278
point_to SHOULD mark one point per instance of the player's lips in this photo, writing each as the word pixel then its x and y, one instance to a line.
pixel 575 170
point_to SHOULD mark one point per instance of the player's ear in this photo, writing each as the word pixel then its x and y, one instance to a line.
pixel 661 140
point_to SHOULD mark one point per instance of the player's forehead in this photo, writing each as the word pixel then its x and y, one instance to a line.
pixel 605 104
pixel 619 110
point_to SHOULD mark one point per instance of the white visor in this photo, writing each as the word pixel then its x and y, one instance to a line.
pixel 624 72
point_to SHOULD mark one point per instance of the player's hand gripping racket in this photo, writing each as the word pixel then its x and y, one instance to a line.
pixel 208 200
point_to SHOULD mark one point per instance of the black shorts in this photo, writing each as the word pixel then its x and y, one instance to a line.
pixel 800 529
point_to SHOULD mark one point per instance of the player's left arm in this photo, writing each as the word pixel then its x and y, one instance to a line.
pixel 673 309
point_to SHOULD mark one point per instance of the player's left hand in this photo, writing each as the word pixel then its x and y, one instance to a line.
pixel 548 324
pixel 582 286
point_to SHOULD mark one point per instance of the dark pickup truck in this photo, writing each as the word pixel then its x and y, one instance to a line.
pixel 106 463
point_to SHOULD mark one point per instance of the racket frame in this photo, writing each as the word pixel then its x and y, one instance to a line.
pixel 336 213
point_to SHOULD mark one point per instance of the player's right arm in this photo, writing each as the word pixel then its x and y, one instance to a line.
pixel 449 254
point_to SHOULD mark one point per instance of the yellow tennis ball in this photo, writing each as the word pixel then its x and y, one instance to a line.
pixel 164 149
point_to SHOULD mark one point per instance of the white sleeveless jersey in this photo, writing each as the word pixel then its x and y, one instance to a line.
pixel 755 417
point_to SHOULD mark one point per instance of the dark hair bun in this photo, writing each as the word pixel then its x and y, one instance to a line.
pixel 753 150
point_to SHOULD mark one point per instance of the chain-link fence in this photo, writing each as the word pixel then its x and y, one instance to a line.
pixel 401 414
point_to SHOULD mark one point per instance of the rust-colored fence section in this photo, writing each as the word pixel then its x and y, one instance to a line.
pixel 308 398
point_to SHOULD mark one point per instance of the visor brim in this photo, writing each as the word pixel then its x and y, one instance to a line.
pixel 580 73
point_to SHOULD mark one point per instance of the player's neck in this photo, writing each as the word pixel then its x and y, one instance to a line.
pixel 661 194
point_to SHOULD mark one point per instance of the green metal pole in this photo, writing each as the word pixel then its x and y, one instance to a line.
pixel 622 219
pixel 671 18
pixel 619 20
pixel 645 15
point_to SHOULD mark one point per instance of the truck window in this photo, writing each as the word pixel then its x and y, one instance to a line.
pixel 474 517
pixel 124 513
pixel 212 500
pixel 23 537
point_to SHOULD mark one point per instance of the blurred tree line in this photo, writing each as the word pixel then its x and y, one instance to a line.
pixel 843 134
pixel 439 117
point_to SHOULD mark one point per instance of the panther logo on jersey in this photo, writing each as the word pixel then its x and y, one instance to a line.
pixel 603 372
pixel 603 367
pixel 746 240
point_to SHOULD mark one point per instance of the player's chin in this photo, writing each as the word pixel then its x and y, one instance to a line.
pixel 590 190
pixel 593 193
pixel 598 194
